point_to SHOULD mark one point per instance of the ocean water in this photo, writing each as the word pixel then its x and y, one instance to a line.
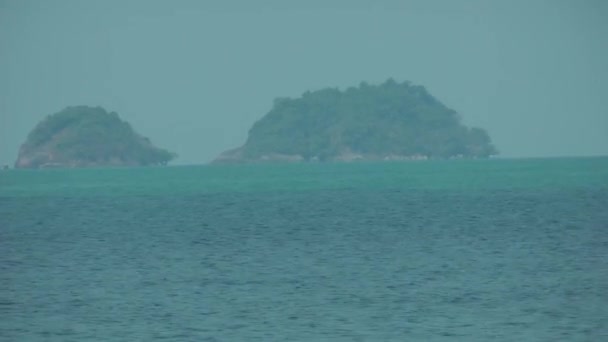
pixel 494 250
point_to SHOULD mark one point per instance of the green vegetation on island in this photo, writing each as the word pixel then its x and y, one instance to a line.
pixel 85 136
pixel 391 121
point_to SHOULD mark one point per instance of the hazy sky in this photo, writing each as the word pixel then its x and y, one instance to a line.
pixel 195 75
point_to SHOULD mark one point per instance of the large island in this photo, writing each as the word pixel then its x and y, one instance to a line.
pixel 84 136
pixel 391 121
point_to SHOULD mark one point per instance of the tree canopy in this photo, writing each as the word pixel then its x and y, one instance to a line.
pixel 83 135
pixel 390 119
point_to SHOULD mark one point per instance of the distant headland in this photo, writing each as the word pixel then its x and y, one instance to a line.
pixel 390 121
pixel 85 136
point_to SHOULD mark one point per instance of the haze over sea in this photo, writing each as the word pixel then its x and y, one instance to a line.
pixel 487 250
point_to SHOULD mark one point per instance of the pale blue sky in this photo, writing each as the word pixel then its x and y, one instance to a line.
pixel 195 75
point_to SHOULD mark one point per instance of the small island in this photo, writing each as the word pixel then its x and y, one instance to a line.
pixel 83 136
pixel 391 121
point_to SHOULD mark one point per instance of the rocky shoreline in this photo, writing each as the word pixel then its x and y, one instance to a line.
pixel 236 156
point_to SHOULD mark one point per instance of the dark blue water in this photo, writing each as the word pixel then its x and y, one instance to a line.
pixel 319 265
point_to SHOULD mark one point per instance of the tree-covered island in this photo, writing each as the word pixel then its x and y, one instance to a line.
pixel 391 121
pixel 84 136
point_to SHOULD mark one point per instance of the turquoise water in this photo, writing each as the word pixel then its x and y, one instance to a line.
pixel 430 175
pixel 496 250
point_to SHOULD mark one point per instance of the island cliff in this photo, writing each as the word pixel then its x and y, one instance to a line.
pixel 391 121
pixel 87 137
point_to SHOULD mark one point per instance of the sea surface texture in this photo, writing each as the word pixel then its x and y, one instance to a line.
pixel 495 250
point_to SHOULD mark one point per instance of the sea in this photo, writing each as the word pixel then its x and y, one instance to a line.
pixel 462 250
